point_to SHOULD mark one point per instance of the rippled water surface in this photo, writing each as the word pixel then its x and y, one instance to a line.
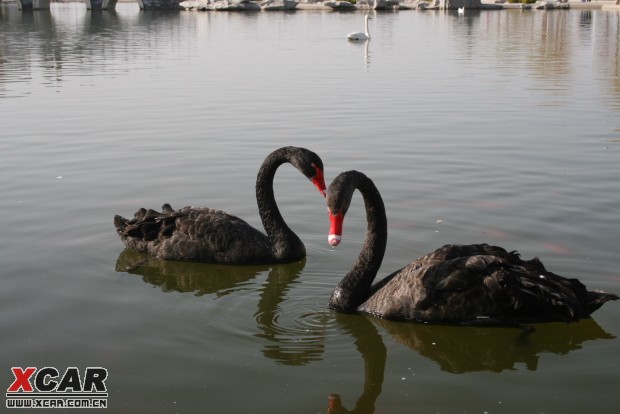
pixel 499 127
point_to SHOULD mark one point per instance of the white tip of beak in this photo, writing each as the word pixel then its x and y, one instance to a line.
pixel 334 239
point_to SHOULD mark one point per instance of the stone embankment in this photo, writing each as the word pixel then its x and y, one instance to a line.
pixel 248 5
pixel 267 5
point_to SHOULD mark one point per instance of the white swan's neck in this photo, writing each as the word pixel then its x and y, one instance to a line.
pixel 366 27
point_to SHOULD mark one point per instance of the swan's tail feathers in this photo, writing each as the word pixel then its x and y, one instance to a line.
pixel 148 225
pixel 120 223
pixel 537 295
pixel 598 299
pixel 130 228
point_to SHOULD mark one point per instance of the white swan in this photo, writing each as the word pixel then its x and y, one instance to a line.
pixel 461 10
pixel 361 35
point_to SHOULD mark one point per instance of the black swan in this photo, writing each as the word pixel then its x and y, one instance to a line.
pixel 474 284
pixel 213 236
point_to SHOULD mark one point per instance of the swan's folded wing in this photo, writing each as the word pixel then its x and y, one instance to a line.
pixel 209 235
pixel 452 290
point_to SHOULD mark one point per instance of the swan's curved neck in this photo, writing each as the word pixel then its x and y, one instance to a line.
pixel 366 27
pixel 286 244
pixel 355 287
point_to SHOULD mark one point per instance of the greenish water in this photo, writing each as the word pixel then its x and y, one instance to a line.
pixel 498 127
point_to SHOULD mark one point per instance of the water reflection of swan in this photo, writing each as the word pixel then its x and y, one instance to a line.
pixel 460 349
pixel 361 35
pixel 366 45
pixel 187 277
pixel 458 284
pixel 294 338
pixel 456 349
pixel 213 236
pixel 369 344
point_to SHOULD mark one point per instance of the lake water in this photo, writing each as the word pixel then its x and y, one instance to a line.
pixel 499 127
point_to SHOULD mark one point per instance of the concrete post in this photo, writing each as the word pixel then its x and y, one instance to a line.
pixel 33 4
pixel 100 4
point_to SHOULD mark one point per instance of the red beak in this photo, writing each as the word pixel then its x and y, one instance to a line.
pixel 335 228
pixel 319 180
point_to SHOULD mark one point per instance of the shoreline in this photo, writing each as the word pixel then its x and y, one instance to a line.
pixel 486 5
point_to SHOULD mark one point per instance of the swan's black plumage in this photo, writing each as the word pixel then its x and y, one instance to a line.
pixel 213 236
pixel 459 284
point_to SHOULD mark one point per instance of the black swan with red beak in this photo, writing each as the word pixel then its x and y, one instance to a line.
pixel 212 236
pixel 474 284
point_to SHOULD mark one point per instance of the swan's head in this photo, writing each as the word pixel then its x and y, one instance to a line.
pixel 319 179
pixel 311 166
pixel 339 196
